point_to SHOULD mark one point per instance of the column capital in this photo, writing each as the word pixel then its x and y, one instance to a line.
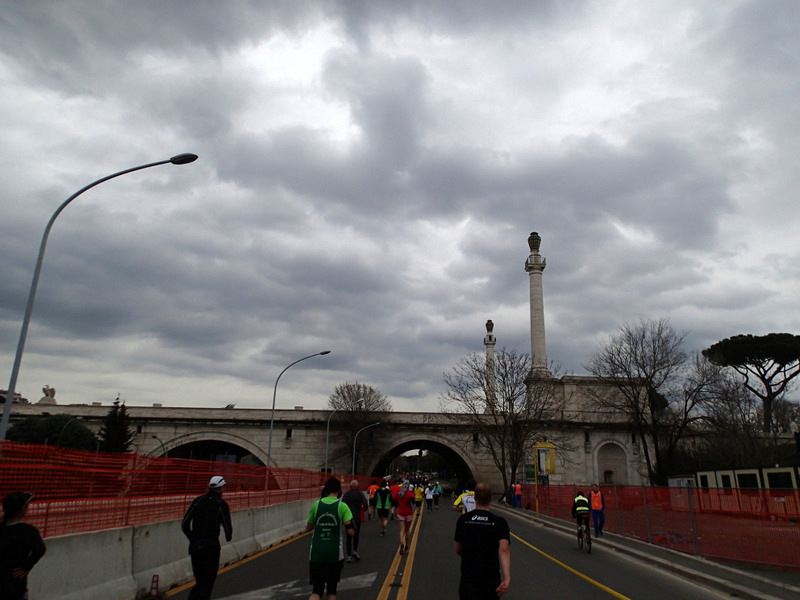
pixel 535 263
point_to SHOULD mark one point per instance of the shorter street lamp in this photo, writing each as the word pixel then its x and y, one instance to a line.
pixel 355 437
pixel 60 433
pixel 163 448
pixel 327 436
pixel 163 453
pixel 274 394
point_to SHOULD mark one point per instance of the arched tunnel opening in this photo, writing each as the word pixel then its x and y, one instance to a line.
pixel 426 457
pixel 214 451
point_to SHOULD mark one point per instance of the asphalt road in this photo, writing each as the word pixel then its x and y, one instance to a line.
pixel 545 563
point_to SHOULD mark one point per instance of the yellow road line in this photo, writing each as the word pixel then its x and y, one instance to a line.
pixel 386 588
pixel 402 593
pixel 259 554
pixel 571 570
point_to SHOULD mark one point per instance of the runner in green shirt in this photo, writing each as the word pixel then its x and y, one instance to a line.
pixel 327 518
pixel 383 503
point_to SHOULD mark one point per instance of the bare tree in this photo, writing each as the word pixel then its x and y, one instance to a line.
pixel 358 397
pixel 653 382
pixel 681 410
pixel 785 415
pixel 506 408
pixel 358 406
pixel 732 437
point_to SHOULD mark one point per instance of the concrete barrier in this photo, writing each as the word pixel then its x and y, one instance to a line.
pixel 119 564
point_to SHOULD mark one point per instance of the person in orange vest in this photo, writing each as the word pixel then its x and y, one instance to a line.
pixel 517 495
pixel 374 487
pixel 597 504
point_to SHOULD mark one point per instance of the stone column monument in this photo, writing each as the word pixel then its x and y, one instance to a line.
pixel 489 341
pixel 535 266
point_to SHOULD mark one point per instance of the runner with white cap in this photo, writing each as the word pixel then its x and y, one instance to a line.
pixel 201 525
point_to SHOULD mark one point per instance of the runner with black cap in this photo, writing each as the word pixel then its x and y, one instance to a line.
pixel 21 547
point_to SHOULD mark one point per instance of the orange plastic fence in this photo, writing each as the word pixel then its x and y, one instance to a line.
pixel 76 491
pixel 747 526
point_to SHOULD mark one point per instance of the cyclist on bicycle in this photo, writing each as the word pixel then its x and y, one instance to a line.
pixel 581 511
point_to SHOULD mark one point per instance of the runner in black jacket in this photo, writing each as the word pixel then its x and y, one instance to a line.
pixel 201 525
pixel 21 547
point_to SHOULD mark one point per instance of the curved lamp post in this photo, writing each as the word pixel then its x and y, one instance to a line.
pixel 164 454
pixel 180 159
pixel 327 436
pixel 61 433
pixel 355 437
pixel 274 394
pixel 163 448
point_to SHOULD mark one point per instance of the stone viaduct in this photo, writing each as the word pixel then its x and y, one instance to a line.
pixel 591 448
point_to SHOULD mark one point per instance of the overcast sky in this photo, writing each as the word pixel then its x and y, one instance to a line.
pixel 369 173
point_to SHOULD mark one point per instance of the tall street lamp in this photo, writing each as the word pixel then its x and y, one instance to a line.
pixel 355 437
pixel 327 436
pixel 274 394
pixel 180 159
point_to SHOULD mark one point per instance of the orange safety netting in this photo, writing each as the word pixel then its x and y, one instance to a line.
pixel 747 526
pixel 76 491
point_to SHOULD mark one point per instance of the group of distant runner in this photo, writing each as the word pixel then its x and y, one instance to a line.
pixel 400 500
pixel 481 537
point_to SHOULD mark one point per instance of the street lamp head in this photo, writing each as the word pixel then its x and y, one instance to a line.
pixel 183 159
pixel 179 159
pixel 324 352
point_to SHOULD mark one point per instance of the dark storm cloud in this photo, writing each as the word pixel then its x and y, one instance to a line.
pixel 369 175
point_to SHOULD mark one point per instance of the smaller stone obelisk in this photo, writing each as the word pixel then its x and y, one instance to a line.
pixel 489 341
pixel 535 265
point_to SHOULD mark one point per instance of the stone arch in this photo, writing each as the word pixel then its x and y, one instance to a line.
pixel 212 435
pixel 611 461
pixel 464 464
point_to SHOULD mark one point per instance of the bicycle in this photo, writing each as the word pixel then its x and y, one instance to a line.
pixel 584 536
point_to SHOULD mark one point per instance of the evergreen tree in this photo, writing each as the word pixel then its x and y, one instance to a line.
pixel 116 434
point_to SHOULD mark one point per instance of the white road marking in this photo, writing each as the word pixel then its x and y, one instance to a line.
pixel 301 589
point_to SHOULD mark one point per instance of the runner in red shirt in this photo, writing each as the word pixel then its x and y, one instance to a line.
pixel 405 513
pixel 395 490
